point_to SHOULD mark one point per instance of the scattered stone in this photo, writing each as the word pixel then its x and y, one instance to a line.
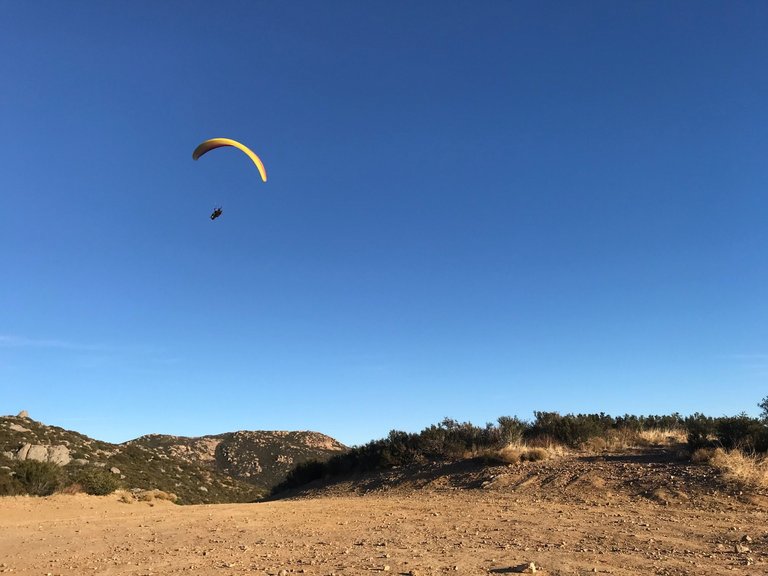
pixel 746 538
pixel 741 549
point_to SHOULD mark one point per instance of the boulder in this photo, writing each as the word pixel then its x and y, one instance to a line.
pixel 55 454
pixel 37 452
pixel 22 453
pixel 23 414
pixel 59 455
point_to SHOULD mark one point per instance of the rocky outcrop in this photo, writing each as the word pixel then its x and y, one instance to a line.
pixel 54 454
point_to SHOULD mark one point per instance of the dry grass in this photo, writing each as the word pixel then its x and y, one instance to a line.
pixel 73 488
pixel 743 469
pixel 520 452
pixel 664 437
pixel 701 455
pixel 614 440
pixel 149 495
pixel 125 497
pixel 145 496
pixel 624 438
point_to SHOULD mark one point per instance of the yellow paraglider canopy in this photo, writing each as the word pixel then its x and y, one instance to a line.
pixel 219 142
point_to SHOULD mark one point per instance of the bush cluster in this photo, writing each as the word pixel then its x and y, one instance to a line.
pixel 97 481
pixel 728 432
pixel 38 478
pixel 9 485
pixel 451 439
pixel 44 478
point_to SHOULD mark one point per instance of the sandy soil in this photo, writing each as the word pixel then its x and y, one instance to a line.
pixel 576 517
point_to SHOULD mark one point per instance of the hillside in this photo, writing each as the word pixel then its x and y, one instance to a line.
pixel 659 474
pixel 261 458
pixel 230 467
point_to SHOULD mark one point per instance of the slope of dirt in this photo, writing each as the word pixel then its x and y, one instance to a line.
pixel 614 515
pixel 662 475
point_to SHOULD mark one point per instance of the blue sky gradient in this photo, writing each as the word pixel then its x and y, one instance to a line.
pixel 474 209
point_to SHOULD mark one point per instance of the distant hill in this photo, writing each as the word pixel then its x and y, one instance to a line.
pixel 230 467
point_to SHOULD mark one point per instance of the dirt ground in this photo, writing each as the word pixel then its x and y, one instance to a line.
pixel 623 515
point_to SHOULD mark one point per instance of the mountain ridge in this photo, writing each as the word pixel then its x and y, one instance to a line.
pixel 225 467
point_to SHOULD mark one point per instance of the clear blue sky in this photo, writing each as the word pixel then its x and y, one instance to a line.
pixel 474 209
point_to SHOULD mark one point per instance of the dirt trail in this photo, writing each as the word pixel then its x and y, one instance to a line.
pixel 567 517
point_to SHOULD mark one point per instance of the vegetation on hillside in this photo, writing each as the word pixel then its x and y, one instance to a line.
pixel 513 439
pixel 212 468
pixel 231 467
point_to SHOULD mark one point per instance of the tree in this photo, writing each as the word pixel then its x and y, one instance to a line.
pixel 764 407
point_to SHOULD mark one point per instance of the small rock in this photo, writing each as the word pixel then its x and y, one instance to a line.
pixel 746 538
pixel 529 568
pixel 115 470
pixel 740 549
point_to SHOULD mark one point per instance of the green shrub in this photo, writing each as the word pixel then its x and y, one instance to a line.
pixel 742 432
pixel 9 485
pixel 301 474
pixel 38 478
pixel 699 428
pixel 97 481
pixel 571 430
pixel 511 429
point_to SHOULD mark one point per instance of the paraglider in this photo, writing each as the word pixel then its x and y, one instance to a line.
pixel 218 143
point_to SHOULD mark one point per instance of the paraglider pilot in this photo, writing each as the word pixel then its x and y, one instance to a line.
pixel 216 213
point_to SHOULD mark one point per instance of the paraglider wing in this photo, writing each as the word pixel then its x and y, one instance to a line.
pixel 219 142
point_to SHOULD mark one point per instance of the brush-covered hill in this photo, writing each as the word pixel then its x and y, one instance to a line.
pixel 262 458
pixel 231 467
